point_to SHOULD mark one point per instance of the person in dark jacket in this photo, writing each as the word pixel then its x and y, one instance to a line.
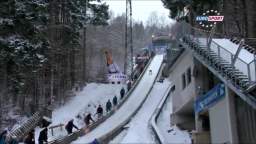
pixel 99 111
pixel 45 122
pixel 108 106
pixel 122 92
pixel 29 139
pixel 70 125
pixel 88 119
pixel 129 85
pixel 135 77
pixel 114 100
pixel 43 136
pixel 3 137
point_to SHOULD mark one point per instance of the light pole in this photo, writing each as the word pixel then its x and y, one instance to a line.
pixel 84 46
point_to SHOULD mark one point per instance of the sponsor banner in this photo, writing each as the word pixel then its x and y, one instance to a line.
pixel 209 18
pixel 210 98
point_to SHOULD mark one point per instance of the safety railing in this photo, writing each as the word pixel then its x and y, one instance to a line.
pixel 242 72
pixel 237 73
pixel 248 68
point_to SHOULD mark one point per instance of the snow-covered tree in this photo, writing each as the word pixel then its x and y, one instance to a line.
pixel 39 40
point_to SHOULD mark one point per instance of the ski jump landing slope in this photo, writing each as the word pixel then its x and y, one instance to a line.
pixel 134 101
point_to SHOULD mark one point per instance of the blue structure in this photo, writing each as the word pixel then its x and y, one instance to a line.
pixel 210 98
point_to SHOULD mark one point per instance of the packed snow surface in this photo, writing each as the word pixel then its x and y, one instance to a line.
pixel 139 128
pixel 85 101
pixel 171 134
pixel 130 106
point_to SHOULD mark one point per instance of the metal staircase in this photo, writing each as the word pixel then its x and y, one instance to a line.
pixel 22 130
pixel 221 62
pixel 26 127
pixel 250 47
pixel 218 63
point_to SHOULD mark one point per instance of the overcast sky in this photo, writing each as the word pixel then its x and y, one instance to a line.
pixel 141 8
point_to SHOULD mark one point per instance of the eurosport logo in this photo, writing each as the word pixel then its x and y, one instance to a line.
pixel 209 18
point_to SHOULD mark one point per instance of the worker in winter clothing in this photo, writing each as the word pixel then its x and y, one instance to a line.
pixel 43 136
pixel 88 118
pixel 129 85
pixel 108 106
pixel 3 137
pixel 29 139
pixel 99 111
pixel 122 92
pixel 70 125
pixel 135 77
pixel 45 122
pixel 114 100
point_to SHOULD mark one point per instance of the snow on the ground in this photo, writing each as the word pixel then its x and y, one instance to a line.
pixel 163 122
pixel 12 118
pixel 85 101
pixel 139 130
pixel 119 137
pixel 129 107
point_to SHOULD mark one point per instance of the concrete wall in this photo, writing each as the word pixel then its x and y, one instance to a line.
pixel 201 75
pixel 222 115
pixel 219 122
pixel 182 96
pixel 183 121
pixel 222 120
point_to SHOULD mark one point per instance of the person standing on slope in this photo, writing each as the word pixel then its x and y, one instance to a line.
pixel 114 100
pixel 99 111
pixel 108 106
pixel 88 119
pixel 43 136
pixel 122 92
pixel 70 125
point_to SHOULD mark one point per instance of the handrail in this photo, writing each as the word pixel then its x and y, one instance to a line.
pixel 247 67
pixel 106 138
pixel 239 61
pixel 248 98
pixel 153 119
pixel 230 52
pixel 69 138
pixel 240 80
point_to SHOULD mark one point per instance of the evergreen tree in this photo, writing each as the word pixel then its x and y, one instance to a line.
pixel 22 39
pixel 39 38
